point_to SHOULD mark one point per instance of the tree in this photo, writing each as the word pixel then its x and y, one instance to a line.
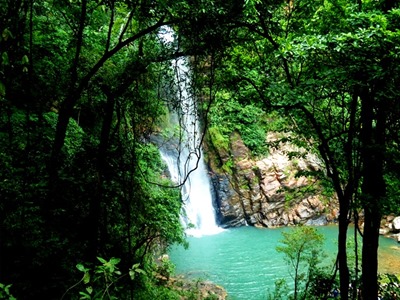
pixel 329 79
pixel 81 90
pixel 290 71
pixel 302 249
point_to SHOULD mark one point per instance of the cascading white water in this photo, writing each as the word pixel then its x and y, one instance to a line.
pixel 185 162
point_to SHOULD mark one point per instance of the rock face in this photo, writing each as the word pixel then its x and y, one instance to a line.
pixel 268 192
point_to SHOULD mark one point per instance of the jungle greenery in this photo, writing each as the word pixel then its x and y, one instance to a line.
pixel 331 68
pixel 84 84
pixel 302 248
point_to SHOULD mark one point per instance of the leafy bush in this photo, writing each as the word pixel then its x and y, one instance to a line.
pixel 389 287
pixel 302 249
pixel 228 115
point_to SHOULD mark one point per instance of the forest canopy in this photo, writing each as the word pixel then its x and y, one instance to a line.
pixel 85 84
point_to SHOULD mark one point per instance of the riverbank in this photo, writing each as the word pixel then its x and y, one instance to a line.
pixel 197 289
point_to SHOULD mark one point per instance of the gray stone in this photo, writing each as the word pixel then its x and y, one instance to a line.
pixel 303 212
pixel 319 221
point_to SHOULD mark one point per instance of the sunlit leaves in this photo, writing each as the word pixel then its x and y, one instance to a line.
pixel 135 270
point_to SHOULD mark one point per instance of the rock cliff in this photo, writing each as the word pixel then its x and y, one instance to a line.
pixel 268 192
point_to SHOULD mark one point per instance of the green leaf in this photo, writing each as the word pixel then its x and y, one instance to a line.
pixel 140 271
pixel 4 59
pixel 25 59
pixel 102 260
pixel 114 260
pixel 132 274
pixel 84 295
pixel 81 268
pixel 135 266
pixel 86 278
pixel 6 34
pixel 89 289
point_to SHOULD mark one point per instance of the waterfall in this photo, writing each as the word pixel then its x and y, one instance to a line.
pixel 185 159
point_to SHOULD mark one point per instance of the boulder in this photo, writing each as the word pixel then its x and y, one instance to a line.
pixel 319 221
pixel 304 212
pixel 384 231
pixel 390 218
pixel 396 223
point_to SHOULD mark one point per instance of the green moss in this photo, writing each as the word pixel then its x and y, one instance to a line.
pixel 219 141
pixel 227 167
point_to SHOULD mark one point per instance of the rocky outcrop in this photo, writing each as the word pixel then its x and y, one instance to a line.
pixel 187 288
pixel 268 192
pixel 390 227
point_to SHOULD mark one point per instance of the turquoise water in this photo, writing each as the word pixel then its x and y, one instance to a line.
pixel 244 260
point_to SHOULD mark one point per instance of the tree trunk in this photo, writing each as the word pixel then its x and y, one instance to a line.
pixel 96 215
pixel 370 254
pixel 373 189
pixel 67 106
pixel 342 249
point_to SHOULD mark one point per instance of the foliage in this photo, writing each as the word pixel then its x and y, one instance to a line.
pixel 107 281
pixel 389 286
pixel 84 84
pixel 330 68
pixel 280 291
pixel 166 268
pixel 82 87
pixel 301 247
pixel 5 292
pixel 228 115
pixel 322 285
pixel 219 141
pixel 101 282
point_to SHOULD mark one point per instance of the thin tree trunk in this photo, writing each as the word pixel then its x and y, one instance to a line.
pixel 342 249
pixel 67 106
pixel 96 216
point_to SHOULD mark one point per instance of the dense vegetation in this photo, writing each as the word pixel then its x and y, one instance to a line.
pixel 329 67
pixel 85 83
